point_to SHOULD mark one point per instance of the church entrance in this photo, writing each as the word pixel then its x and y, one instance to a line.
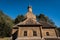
pixel 14 36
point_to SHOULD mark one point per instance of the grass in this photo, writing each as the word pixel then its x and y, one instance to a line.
pixel 6 38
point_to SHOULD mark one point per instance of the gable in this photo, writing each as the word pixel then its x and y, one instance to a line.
pixel 29 22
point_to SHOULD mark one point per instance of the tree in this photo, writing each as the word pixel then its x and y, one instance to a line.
pixel 6 24
pixel 44 18
pixel 19 18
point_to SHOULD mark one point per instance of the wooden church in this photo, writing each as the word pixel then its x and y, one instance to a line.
pixel 30 29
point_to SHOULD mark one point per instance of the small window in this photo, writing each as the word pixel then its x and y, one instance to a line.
pixel 47 33
pixel 34 33
pixel 25 33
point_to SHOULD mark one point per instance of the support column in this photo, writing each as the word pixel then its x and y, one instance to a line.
pixel 57 34
pixel 41 31
pixel 18 32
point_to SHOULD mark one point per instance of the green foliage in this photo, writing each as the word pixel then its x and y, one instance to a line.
pixel 40 17
pixel 19 18
pixel 5 25
pixel 44 18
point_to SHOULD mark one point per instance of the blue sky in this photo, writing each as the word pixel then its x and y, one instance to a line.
pixel 50 8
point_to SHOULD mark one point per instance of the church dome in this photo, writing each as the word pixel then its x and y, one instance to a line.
pixel 30 14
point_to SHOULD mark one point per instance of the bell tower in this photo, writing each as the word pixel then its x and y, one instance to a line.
pixel 30 14
pixel 29 8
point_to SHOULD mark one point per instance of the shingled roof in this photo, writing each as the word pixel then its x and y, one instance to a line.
pixel 28 22
pixel 46 24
